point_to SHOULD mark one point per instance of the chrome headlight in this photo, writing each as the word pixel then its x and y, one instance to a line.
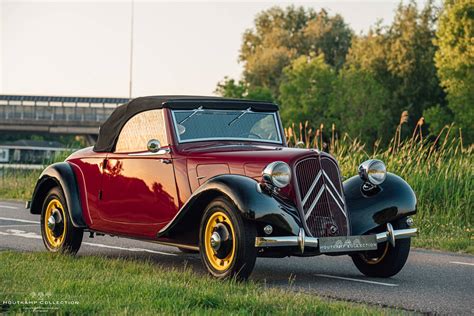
pixel 277 173
pixel 373 170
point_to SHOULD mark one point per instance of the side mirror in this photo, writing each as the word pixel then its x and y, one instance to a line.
pixel 153 145
pixel 300 144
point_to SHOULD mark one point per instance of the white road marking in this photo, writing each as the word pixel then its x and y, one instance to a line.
pixel 18 220
pixel 2 226
pixel 463 263
pixel 10 207
pixel 355 280
pixel 21 233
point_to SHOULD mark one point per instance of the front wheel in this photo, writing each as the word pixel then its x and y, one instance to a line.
pixel 227 241
pixel 59 235
pixel 387 260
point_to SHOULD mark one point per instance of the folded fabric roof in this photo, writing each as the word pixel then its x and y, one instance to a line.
pixel 110 130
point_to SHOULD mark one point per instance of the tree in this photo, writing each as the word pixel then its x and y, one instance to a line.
pixel 437 117
pixel 305 90
pixel 401 58
pixel 455 61
pixel 359 105
pixel 281 35
pixel 229 88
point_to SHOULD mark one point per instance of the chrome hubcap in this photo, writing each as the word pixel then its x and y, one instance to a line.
pixel 215 241
pixel 51 222
pixel 54 222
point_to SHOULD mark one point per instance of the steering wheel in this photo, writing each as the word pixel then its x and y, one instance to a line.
pixel 250 134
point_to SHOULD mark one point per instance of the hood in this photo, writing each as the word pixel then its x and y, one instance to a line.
pixel 245 159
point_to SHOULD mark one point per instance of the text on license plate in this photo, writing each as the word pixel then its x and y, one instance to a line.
pixel 347 243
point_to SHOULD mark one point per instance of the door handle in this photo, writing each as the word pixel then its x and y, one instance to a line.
pixel 104 164
pixel 166 161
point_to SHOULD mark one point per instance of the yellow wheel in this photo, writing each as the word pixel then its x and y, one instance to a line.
pixel 59 235
pixel 219 241
pixel 227 241
pixel 54 226
pixel 381 253
pixel 387 260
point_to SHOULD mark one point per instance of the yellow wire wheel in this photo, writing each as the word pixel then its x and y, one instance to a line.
pixel 55 224
pixel 220 241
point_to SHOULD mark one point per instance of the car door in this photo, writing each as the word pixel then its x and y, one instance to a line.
pixel 138 193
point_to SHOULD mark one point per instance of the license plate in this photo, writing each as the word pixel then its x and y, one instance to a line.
pixel 347 243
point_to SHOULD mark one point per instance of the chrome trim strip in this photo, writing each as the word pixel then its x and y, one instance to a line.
pixel 337 202
pixel 302 241
pixel 148 153
pixel 311 188
pixel 285 241
pixel 275 118
pixel 397 234
pixel 311 207
pixel 173 244
pixel 332 185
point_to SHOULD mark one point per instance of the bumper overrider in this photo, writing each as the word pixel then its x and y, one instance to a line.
pixel 337 244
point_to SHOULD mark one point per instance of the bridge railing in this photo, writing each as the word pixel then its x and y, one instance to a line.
pixel 54 113
pixel 49 108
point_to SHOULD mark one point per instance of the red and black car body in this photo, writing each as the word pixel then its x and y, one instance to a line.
pixel 145 180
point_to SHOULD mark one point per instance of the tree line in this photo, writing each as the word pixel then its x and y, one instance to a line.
pixel 318 70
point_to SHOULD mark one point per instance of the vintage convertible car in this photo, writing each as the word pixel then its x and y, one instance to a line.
pixel 215 176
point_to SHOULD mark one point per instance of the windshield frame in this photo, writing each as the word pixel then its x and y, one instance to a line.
pixel 276 119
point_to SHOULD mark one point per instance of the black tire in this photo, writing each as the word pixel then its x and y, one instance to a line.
pixel 71 237
pixel 245 254
pixel 387 260
pixel 186 250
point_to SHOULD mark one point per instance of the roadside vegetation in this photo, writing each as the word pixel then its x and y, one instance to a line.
pixel 439 169
pixel 127 286
pixel 440 172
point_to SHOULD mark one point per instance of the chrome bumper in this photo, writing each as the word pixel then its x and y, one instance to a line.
pixel 302 241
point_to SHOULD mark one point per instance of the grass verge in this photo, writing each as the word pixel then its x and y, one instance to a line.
pixel 123 286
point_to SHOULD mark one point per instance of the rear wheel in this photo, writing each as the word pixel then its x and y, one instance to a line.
pixel 227 241
pixel 387 260
pixel 59 235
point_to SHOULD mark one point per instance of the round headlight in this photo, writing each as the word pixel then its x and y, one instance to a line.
pixel 373 170
pixel 277 173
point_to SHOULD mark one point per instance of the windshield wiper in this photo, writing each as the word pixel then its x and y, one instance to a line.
pixel 199 109
pixel 240 115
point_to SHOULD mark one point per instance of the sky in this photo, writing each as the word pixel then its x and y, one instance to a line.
pixel 83 48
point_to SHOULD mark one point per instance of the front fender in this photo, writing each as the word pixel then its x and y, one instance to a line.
pixel 245 193
pixel 391 200
pixel 59 174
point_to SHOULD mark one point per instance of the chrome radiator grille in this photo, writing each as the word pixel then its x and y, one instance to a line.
pixel 321 197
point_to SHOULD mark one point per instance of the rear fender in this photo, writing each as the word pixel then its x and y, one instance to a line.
pixel 61 175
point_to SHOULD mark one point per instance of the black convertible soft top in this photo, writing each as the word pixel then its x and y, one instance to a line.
pixel 110 130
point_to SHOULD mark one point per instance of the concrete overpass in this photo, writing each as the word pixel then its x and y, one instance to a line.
pixel 55 114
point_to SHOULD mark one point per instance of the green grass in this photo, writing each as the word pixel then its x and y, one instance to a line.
pixel 121 286
pixel 17 184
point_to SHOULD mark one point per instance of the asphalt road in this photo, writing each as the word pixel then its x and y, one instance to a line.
pixel 431 282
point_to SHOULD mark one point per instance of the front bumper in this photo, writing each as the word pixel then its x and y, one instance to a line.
pixel 301 241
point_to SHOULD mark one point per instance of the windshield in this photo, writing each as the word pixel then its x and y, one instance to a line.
pixel 202 124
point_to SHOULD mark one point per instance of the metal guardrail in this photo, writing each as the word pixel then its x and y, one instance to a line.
pixel 48 108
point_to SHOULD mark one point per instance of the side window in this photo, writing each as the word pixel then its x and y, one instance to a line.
pixel 140 129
